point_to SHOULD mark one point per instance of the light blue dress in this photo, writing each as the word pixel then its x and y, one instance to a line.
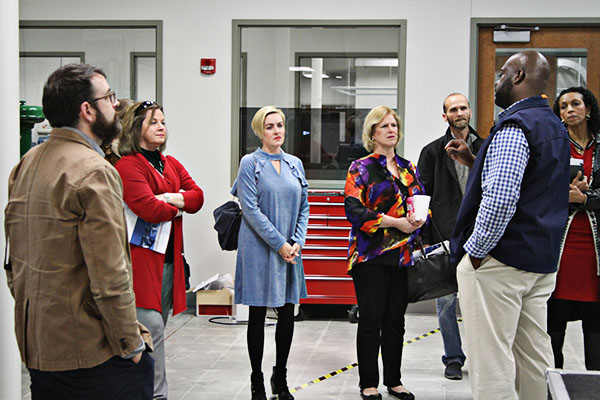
pixel 275 209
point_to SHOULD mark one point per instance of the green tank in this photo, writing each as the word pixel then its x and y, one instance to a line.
pixel 29 116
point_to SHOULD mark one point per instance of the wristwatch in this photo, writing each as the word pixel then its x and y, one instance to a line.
pixel 167 198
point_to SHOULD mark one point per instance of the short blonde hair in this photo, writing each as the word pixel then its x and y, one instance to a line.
pixel 258 121
pixel 374 117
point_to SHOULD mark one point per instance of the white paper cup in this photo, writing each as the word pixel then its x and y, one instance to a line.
pixel 418 205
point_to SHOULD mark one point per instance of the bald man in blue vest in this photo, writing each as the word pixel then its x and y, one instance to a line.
pixel 507 237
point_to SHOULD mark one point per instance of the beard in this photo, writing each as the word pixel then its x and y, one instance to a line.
pixel 502 97
pixel 104 129
pixel 461 124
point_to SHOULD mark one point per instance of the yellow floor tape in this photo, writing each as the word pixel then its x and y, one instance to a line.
pixel 349 367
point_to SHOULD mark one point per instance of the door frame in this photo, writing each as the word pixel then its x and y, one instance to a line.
pixel 476 23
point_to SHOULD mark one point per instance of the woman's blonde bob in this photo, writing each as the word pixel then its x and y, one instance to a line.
pixel 258 121
pixel 374 117
pixel 132 121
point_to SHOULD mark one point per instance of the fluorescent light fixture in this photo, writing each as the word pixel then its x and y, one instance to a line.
pixel 338 77
pixel 301 69
pixel 366 90
pixel 309 76
pixel 376 62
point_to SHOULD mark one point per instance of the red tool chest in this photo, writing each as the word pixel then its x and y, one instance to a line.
pixel 325 252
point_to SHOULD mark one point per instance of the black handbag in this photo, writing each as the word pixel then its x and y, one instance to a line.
pixel 432 275
pixel 228 218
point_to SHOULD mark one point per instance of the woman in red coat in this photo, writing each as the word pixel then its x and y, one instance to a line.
pixel 157 190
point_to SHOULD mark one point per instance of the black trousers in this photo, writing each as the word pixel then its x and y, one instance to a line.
pixel 115 379
pixel 562 311
pixel 381 295
pixel 255 336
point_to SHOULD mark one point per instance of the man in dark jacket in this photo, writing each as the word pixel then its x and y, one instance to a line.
pixel 507 236
pixel 445 180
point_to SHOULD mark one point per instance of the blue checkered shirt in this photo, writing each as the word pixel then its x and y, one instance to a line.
pixel 501 177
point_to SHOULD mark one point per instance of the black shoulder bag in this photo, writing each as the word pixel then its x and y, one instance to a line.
pixel 432 275
pixel 228 219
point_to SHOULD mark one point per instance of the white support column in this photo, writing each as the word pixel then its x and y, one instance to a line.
pixel 10 361
pixel 316 103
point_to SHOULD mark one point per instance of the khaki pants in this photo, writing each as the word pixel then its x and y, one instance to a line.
pixel 504 312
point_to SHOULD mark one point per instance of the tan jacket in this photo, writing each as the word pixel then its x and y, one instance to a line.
pixel 71 266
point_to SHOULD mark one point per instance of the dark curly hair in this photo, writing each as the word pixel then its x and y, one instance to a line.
pixel 589 100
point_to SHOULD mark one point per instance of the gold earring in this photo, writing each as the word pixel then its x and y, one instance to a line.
pixel 587 116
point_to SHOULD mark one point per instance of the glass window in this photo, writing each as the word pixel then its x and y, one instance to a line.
pixel 128 54
pixel 325 79
pixel 38 64
pixel 143 76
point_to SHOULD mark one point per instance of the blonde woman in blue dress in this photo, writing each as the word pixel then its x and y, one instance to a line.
pixel 273 193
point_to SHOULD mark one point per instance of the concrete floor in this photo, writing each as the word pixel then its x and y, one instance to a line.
pixel 209 361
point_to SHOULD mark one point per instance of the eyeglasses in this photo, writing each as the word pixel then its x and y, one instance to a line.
pixel 112 97
pixel 147 104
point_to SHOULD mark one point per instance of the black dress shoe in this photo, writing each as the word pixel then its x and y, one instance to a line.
pixel 370 396
pixel 453 371
pixel 402 395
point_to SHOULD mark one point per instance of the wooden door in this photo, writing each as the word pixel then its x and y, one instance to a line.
pixel 565 47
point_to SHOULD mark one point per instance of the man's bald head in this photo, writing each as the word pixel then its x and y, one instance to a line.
pixel 536 67
pixel 523 75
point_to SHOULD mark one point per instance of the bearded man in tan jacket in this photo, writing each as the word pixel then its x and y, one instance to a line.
pixel 69 266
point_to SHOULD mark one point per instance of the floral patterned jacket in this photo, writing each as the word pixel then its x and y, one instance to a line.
pixel 370 192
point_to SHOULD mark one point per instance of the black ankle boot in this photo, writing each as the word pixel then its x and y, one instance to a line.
pixel 257 386
pixel 279 385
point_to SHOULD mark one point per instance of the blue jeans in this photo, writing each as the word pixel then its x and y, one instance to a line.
pixel 446 311
pixel 156 322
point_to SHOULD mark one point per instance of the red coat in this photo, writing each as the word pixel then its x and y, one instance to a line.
pixel 141 181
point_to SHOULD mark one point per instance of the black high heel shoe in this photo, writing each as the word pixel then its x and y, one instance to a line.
pixel 279 385
pixel 257 386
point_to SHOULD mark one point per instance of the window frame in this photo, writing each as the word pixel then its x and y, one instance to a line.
pixel 239 24
pixel 157 25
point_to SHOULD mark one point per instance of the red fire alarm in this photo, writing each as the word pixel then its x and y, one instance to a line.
pixel 208 65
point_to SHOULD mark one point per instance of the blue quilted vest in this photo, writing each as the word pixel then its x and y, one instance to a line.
pixel 531 241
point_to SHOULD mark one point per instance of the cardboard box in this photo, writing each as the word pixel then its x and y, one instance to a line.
pixel 214 302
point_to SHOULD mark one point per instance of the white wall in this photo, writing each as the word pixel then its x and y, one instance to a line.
pixel 198 108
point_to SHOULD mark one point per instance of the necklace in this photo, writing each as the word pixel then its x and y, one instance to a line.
pixel 576 139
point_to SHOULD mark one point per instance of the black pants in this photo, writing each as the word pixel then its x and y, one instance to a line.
pixel 562 311
pixel 115 379
pixel 381 295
